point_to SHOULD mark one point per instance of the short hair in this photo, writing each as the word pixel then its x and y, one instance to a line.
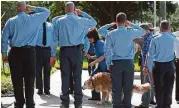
pixel 93 33
pixel 165 25
pixel 121 17
pixel 20 3
pixel 70 5
pixel 144 26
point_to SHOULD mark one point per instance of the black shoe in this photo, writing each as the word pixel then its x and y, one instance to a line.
pixel 16 105
pixel 40 92
pixel 47 92
pixel 30 104
pixel 153 103
pixel 78 106
pixel 30 107
pixel 95 99
pixel 141 106
pixel 64 106
pixel 177 102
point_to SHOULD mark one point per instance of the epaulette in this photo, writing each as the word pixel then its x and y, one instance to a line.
pixel 172 34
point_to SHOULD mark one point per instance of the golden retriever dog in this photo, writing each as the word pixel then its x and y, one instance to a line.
pixel 101 82
pixel 141 88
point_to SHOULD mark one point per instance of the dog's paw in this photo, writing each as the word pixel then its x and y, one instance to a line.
pixel 100 102
pixel 108 102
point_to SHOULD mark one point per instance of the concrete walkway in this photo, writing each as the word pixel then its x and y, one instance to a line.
pixel 53 100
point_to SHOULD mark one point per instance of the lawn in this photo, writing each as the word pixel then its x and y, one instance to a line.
pixel 85 64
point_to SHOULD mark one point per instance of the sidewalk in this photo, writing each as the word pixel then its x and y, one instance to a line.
pixel 53 100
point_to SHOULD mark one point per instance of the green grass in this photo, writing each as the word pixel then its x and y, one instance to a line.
pixel 6 84
pixel 85 65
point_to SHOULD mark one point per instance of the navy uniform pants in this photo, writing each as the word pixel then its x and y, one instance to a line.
pixel 71 56
pixel 22 66
pixel 43 63
pixel 163 75
pixel 122 75
pixel 177 80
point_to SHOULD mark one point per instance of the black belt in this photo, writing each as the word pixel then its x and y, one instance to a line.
pixel 26 46
pixel 42 47
pixel 74 46
pixel 163 62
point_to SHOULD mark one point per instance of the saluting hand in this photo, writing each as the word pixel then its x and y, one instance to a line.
pixel 5 59
pixel 128 23
pixel 113 24
pixel 78 11
pixel 29 7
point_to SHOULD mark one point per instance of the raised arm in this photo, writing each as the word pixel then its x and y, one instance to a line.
pixel 86 20
pixel 40 16
pixel 103 31
pixel 137 31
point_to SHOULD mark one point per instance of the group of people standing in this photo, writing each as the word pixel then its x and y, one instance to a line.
pixel 33 43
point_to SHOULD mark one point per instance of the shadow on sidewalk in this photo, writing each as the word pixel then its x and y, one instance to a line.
pixel 91 103
pixel 51 100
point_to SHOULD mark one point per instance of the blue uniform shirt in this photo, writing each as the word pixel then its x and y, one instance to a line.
pixel 70 29
pixel 85 40
pixel 49 37
pixel 119 43
pixel 86 44
pixel 99 51
pixel 22 29
pixel 161 49
pixel 104 30
pixel 91 50
pixel 54 20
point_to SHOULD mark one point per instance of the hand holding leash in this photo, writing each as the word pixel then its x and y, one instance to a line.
pixel 88 56
pixel 92 64
pixel 145 71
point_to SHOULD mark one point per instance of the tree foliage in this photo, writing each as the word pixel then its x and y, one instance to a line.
pixel 174 19
pixel 103 11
